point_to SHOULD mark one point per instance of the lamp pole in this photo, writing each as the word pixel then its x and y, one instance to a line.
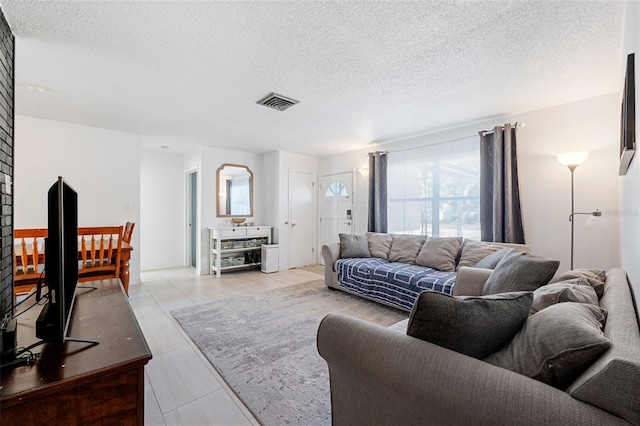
pixel 572 167
pixel 573 160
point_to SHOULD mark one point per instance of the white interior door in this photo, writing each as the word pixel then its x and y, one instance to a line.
pixel 192 217
pixel 336 217
pixel 301 219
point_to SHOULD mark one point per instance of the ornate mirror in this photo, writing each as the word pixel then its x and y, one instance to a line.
pixel 235 191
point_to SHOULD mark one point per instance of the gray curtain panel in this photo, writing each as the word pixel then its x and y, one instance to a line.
pixel 377 192
pixel 500 212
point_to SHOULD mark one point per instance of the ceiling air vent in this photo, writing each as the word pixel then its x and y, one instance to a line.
pixel 275 101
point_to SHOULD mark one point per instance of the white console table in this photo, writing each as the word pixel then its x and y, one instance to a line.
pixel 237 247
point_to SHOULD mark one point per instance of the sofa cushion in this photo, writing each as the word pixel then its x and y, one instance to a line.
pixel 439 253
pixel 354 246
pixel 594 277
pixel 520 271
pixel 491 261
pixel 474 251
pixel 551 294
pixel 405 248
pixel 556 345
pixel 379 244
pixel 598 274
pixel 473 325
pixel 397 284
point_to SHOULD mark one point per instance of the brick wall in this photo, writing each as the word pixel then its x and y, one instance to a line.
pixel 7 46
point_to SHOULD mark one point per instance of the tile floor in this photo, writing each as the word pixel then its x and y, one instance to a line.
pixel 181 386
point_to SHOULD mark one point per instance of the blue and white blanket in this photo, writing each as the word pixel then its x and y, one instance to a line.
pixel 395 283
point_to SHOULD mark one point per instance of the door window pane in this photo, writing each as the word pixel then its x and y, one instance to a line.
pixel 336 189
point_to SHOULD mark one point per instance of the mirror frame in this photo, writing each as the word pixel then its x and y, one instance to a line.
pixel 219 189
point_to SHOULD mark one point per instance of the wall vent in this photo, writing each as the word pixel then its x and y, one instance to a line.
pixel 275 101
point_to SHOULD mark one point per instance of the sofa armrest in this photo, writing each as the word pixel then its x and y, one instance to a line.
pixel 470 281
pixel 330 254
pixel 384 377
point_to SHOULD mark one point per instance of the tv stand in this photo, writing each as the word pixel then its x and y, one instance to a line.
pixel 71 385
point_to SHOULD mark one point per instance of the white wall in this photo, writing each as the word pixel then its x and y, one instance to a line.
pixel 278 165
pixel 206 160
pixel 590 125
pixel 103 166
pixel 630 183
pixel 162 210
pixel 271 165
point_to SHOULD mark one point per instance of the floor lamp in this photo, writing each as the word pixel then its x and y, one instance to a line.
pixel 573 160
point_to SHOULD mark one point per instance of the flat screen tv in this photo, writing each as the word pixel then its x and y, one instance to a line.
pixel 60 263
pixel 628 117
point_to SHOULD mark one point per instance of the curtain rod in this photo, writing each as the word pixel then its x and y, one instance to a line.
pixel 431 144
pixel 516 125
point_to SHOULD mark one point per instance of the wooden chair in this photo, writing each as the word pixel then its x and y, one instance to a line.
pixel 28 258
pixel 100 250
pixel 128 232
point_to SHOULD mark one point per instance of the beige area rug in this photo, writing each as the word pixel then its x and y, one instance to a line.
pixel 265 347
pixel 317 268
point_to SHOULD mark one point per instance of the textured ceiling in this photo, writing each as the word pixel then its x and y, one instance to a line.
pixel 190 73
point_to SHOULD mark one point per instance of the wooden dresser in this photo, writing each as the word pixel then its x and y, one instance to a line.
pixel 74 383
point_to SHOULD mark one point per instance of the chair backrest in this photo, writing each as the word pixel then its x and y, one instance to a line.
pixel 28 254
pixel 100 250
pixel 128 232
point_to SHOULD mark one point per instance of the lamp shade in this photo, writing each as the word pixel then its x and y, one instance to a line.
pixel 573 158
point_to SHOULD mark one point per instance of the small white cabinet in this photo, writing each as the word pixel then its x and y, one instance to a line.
pixel 237 248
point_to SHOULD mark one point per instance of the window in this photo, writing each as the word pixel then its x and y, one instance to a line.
pixel 435 190
pixel 336 189
pixel 239 197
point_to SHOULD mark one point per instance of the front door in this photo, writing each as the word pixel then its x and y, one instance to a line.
pixel 337 207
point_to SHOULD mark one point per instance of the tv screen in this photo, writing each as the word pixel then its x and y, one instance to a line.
pixel 61 262
pixel 628 117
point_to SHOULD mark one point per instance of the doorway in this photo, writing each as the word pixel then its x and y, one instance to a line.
pixel 301 219
pixel 192 218
pixel 336 216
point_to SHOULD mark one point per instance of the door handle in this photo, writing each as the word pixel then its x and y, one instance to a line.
pixel 293 224
pixel 347 223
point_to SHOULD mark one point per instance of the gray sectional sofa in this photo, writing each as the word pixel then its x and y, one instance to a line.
pixel 383 376
pixel 395 269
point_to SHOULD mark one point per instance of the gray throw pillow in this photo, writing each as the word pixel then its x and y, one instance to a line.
pixel 594 277
pixel 557 344
pixel 472 325
pixel 405 248
pixel 551 294
pixel 491 261
pixel 379 244
pixel 353 246
pixel 520 271
pixel 440 253
pixel 474 251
